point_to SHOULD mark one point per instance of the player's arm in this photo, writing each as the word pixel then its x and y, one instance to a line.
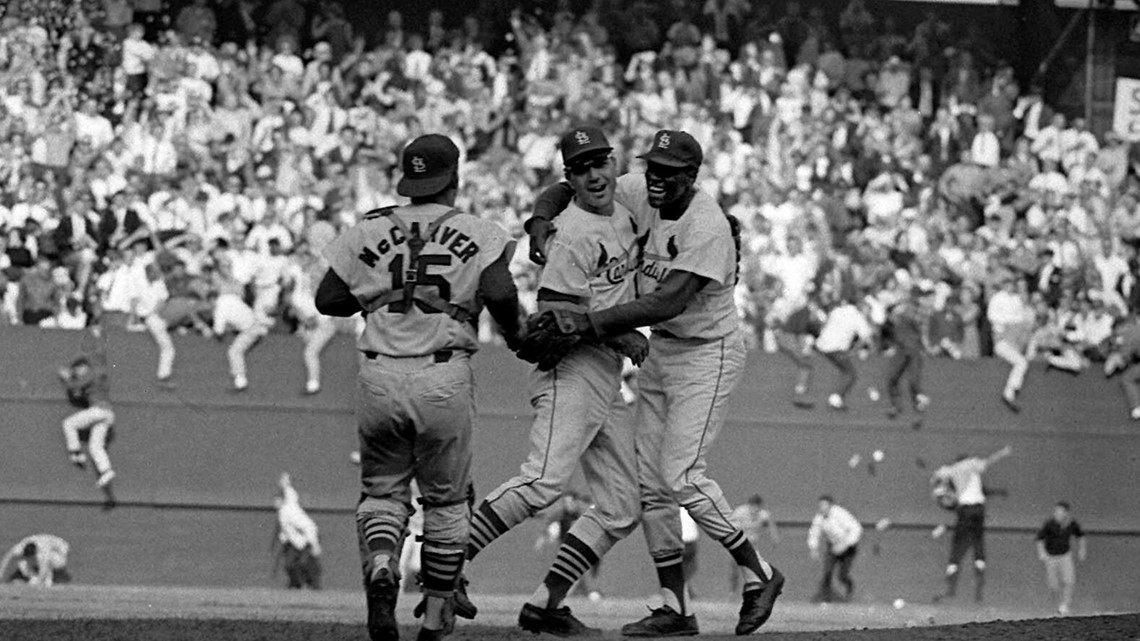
pixel 540 225
pixel 672 295
pixel 999 455
pixel 334 298
pixel 814 534
pixel 501 297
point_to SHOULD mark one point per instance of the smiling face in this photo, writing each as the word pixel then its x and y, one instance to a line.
pixel 593 180
pixel 667 184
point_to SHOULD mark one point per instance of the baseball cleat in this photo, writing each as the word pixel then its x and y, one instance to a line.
pixel 558 621
pixel 662 622
pixel 1011 403
pixel 105 479
pixel 78 459
pixel 757 604
pixel 381 593
pixel 312 387
pixel 240 384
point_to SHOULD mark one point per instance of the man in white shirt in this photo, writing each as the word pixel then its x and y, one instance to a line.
pixel 92 125
pixel 985 149
pixel 840 531
pixel 297 536
pixel 1047 144
pixel 845 326
pixel 964 480
pixel 1013 321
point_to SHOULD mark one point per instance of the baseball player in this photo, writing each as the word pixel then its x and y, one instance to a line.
pixel 420 273
pixel 85 380
pixel 39 559
pixel 969 501
pixel 590 265
pixel 697 351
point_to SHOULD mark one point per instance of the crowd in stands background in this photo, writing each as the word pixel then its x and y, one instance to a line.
pixel 181 167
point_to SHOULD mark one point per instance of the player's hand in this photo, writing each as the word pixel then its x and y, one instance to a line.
pixel 631 344
pixel 539 230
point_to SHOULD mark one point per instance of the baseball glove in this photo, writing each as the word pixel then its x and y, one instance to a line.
pixel 550 335
pixel 631 344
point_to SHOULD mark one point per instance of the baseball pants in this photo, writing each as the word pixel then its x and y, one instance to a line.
pixel 414 420
pixel 96 421
pixel 577 408
pixel 684 390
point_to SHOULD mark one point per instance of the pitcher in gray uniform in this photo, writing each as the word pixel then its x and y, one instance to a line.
pixel 579 414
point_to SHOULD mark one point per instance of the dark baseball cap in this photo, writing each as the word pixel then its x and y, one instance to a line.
pixel 429 163
pixel 582 143
pixel 674 149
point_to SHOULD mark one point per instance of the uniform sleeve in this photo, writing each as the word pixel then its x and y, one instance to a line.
pixel 340 253
pixel 1041 533
pixel 709 254
pixel 493 241
pixel 1077 531
pixel 814 532
pixel 565 272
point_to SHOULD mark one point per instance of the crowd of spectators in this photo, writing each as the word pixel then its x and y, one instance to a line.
pixel 220 144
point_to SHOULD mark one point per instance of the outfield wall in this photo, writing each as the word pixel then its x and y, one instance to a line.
pixel 198 465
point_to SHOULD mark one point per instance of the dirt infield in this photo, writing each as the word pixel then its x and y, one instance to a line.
pixel 97 613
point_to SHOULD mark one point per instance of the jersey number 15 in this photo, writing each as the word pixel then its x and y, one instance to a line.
pixel 417 275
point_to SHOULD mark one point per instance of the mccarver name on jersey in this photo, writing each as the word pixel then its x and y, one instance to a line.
pixel 458 243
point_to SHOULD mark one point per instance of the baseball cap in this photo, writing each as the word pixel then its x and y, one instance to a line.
pixel 581 143
pixel 429 163
pixel 674 149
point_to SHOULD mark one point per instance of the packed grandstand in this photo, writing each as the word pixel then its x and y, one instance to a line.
pixel 158 157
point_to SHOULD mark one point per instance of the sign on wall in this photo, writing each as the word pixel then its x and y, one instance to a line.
pixel 1126 112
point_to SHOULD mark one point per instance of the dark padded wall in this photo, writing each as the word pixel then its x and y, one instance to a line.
pixel 198 466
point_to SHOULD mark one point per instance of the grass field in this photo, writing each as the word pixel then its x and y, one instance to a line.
pixel 100 613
